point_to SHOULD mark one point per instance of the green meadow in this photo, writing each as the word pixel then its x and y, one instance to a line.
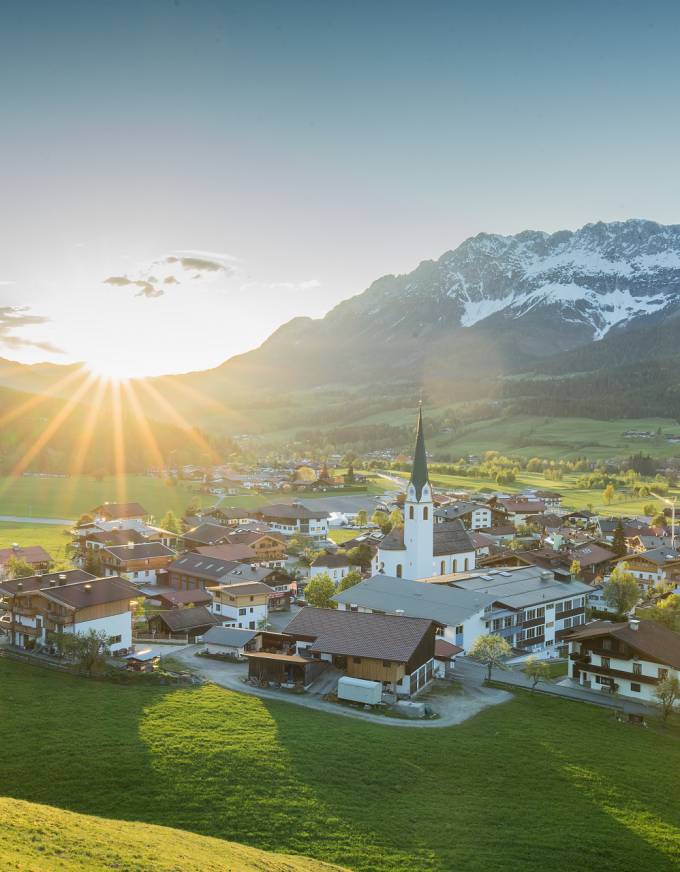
pixel 529 784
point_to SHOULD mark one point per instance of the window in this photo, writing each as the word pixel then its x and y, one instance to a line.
pixel 115 640
pixel 530 615
pixel 410 513
pixel 497 624
pixel 426 513
pixel 635 687
pixel 217 607
pixel 442 567
pixel 603 679
pixel 507 622
pixel 607 644
pixel 540 612
pixel 454 566
pixel 251 625
pixel 605 662
pixel 663 673
pixel 398 570
pixel 242 611
pixel 459 630
pixel 252 599
pixel 467 564
pixel 637 668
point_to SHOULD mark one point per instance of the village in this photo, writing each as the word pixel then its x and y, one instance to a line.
pixel 428 606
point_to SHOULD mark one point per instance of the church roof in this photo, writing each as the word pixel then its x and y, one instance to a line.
pixel 419 473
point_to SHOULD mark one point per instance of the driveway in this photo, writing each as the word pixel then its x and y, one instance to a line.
pixel 472 673
pixel 452 701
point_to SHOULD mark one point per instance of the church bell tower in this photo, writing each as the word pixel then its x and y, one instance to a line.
pixel 418 514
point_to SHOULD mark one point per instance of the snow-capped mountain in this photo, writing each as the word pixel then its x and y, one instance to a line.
pixel 492 305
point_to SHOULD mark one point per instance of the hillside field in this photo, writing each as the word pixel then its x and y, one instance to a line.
pixel 521 782
pixel 39 838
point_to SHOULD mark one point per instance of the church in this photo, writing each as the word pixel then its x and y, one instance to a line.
pixel 421 548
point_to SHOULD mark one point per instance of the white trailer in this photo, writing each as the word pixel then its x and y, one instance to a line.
pixel 360 690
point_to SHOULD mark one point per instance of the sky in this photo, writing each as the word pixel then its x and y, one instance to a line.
pixel 180 177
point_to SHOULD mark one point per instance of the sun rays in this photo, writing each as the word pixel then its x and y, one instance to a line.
pixel 127 412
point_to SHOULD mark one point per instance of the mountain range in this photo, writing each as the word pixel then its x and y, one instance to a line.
pixel 533 320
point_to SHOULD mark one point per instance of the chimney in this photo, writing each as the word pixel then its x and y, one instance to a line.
pixel 88 586
pixel 546 575
pixel 131 545
pixel 399 612
pixel 53 582
pixel 20 585
pixel 62 578
pixel 634 624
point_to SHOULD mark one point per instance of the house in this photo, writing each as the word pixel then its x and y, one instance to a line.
pixel 43 579
pixel 551 499
pixel 180 599
pixel 42 608
pixel 629 658
pixel 337 566
pixel 206 533
pixel 181 623
pixel 100 534
pixel 395 650
pixel 652 567
pixel 225 516
pixel 193 571
pixel 518 509
pixel 143 661
pixel 138 562
pixel 474 516
pixel 593 558
pixel 34 555
pixel 460 613
pixel 229 641
pixel 531 608
pixel 250 547
pixel 242 605
pixel 115 511
pixel 295 520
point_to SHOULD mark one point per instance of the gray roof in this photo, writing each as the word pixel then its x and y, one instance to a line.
pixel 459 510
pixel 231 637
pixel 283 511
pixel 200 566
pixel 448 538
pixel 416 599
pixel 522 586
pixel 177 620
pixel 660 556
pixel 36 582
pixel 208 533
pixel 140 551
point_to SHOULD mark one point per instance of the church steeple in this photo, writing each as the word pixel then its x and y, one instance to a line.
pixel 419 474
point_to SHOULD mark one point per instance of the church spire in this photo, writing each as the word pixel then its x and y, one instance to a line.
pixel 419 474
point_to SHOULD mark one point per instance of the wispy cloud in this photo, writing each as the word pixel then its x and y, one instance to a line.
pixel 147 288
pixel 153 278
pixel 13 318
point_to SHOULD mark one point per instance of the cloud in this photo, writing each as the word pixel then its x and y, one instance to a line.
pixel 170 280
pixel 147 287
pixel 202 264
pixel 13 318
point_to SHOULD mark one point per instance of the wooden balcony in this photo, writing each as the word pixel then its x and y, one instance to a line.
pixel 619 673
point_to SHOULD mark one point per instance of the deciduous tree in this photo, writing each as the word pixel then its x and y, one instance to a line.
pixel 491 651
pixel 536 670
pixel 621 591
pixel 319 591
pixel 349 580
pixel 667 693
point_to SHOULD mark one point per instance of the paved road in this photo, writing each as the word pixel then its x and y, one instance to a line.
pixel 17 519
pixel 470 673
pixel 453 704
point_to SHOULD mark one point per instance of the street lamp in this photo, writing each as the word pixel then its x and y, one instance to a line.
pixel 670 503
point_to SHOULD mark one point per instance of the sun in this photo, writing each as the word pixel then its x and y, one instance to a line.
pixel 109 369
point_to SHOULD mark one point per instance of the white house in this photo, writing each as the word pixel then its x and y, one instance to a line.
pixel 243 605
pixel 37 608
pixel 295 520
pixel 475 516
pixel 630 658
pixel 230 641
pixel 420 549
pixel 337 566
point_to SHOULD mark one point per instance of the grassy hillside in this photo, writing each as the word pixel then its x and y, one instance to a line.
pixel 512 788
pixel 38 838
pixel 53 538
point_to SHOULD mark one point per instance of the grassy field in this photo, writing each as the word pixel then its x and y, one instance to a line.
pixel 53 539
pixel 558 438
pixel 573 496
pixel 40 838
pixel 524 785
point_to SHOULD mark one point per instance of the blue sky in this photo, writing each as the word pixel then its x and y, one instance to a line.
pixel 312 147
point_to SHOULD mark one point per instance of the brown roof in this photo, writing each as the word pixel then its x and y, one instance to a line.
pixel 140 551
pixel 247 588
pixel 523 506
pixel 330 560
pixel 650 638
pixel 249 537
pixel 35 582
pixel 177 620
pixel 30 554
pixel 95 592
pixel 444 650
pixel 360 634
pixel 590 554
pixel 228 552
pixel 115 537
pixel 182 597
